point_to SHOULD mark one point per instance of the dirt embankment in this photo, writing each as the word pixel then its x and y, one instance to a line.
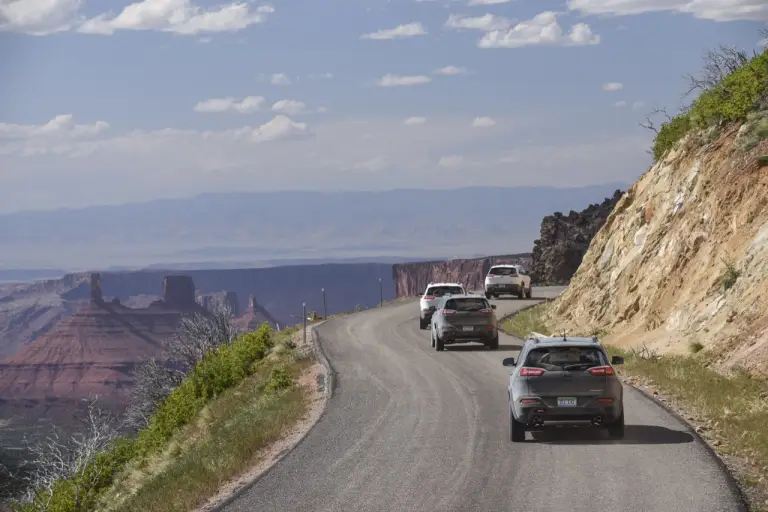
pixel 683 258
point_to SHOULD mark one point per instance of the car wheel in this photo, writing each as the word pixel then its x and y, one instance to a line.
pixel 616 428
pixel 529 293
pixel 439 345
pixel 516 429
pixel 494 345
pixel 432 337
pixel 521 293
pixel 422 324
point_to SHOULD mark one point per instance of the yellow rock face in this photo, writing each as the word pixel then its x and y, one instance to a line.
pixel 683 258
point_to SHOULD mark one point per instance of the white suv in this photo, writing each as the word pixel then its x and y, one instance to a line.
pixel 508 280
pixel 432 295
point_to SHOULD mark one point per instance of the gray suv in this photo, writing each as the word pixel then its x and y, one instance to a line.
pixel 464 318
pixel 559 379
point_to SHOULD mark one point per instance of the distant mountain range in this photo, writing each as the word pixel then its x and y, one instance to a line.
pixel 264 229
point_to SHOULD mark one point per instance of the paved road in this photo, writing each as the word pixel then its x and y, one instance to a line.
pixel 410 429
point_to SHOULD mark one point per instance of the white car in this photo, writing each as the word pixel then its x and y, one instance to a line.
pixel 432 296
pixel 507 280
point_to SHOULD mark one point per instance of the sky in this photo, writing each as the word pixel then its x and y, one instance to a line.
pixel 107 102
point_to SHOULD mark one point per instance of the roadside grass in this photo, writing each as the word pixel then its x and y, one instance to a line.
pixel 731 410
pixel 225 441
pixel 239 398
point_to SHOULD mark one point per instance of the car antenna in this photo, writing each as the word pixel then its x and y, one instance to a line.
pixel 564 339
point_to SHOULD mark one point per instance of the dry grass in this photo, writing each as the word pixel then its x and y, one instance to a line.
pixel 226 440
pixel 731 411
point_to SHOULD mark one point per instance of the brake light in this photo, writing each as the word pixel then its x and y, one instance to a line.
pixel 429 297
pixel 605 400
pixel 529 400
pixel 531 372
pixel 447 312
pixel 601 370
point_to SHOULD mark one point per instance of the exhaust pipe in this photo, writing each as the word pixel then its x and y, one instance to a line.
pixel 597 421
pixel 536 421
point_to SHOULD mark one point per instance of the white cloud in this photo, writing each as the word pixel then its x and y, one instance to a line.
pixel 763 43
pixel 412 121
pixel 247 105
pixel 483 122
pixel 322 76
pixel 375 164
pixel 38 17
pixel 613 86
pixel 280 127
pixel 390 80
pixel 406 30
pixel 620 104
pixel 178 16
pixel 638 104
pixel 280 79
pixel 61 126
pixel 290 107
pixel 488 2
pixel 716 10
pixel 451 161
pixel 486 23
pixel 543 29
pixel 451 70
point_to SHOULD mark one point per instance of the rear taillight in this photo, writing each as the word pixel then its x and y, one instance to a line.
pixel 605 400
pixel 429 297
pixel 529 400
pixel 531 372
pixel 447 312
pixel 601 370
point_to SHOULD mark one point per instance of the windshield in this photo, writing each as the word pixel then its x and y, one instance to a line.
pixel 467 304
pixel 439 291
pixel 565 358
pixel 502 271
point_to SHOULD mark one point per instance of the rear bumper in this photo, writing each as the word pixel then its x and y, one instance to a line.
pixel 479 333
pixel 502 288
pixel 607 412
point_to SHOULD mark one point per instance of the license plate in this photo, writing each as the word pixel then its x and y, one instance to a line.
pixel 566 402
pixel 467 328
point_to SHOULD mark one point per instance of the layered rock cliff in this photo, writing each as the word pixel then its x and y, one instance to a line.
pixel 412 278
pixel 683 258
pixel 565 239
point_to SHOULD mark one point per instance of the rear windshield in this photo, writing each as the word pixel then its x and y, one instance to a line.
pixel 467 304
pixel 439 291
pixel 565 358
pixel 502 271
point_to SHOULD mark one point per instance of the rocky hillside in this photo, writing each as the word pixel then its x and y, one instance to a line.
pixel 412 278
pixel 683 258
pixel 565 239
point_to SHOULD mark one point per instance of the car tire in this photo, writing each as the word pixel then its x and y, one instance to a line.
pixel 616 428
pixel 432 337
pixel 439 345
pixel 494 344
pixel 422 324
pixel 529 293
pixel 516 429
pixel 521 293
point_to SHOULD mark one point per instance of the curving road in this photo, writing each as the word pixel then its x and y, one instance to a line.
pixel 410 429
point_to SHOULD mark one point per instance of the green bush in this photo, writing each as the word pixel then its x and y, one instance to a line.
pixel 730 101
pixel 279 379
pixel 221 369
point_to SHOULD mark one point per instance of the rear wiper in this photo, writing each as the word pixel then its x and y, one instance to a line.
pixel 577 366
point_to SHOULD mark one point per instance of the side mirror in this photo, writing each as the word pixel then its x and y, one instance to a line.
pixel 617 360
pixel 493 306
pixel 509 361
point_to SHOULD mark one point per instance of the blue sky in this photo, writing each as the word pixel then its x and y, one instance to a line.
pixel 100 105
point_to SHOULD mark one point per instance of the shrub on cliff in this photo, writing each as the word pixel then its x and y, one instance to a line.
pixel 73 474
pixel 733 85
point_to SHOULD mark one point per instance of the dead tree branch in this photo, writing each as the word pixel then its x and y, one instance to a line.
pixel 718 64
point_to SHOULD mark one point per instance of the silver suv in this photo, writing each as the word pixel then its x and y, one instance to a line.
pixel 560 379
pixel 432 296
pixel 462 319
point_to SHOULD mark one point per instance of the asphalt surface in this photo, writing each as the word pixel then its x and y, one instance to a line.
pixel 411 429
